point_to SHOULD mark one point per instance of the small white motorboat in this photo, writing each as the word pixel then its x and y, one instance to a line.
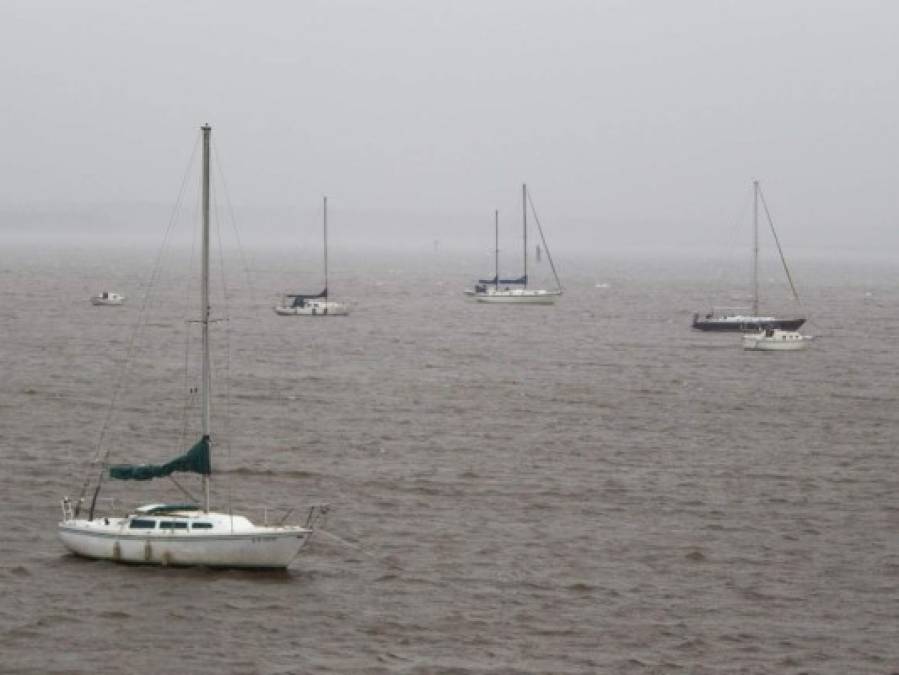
pixel 775 340
pixel 108 298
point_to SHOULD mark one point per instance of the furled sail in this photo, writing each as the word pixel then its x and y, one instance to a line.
pixel 195 460
pixel 299 300
pixel 492 282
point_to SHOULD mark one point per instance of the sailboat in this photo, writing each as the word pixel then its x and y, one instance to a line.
pixel 498 290
pixel 297 304
pixel 181 534
pixel 107 298
pixel 737 318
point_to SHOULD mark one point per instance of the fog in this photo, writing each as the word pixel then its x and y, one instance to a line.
pixel 638 125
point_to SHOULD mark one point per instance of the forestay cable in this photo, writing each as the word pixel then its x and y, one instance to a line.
pixel 779 249
pixel 549 257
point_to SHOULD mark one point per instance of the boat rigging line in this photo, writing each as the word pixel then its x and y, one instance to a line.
pixel 779 249
pixel 100 455
pixel 543 239
pixel 732 244
pixel 340 540
pixel 232 218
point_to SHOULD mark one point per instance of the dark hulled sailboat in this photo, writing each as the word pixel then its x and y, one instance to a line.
pixel 732 319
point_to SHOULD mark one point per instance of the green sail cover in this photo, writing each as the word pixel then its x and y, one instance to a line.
pixel 195 460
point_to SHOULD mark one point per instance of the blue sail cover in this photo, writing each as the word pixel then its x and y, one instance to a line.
pixel 195 460
pixel 299 300
pixel 520 281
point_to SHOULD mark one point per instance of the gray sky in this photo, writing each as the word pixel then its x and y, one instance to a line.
pixel 635 123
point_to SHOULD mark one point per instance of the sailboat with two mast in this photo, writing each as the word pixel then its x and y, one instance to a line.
pixel 188 533
pixel 516 291
pixel 737 318
pixel 298 304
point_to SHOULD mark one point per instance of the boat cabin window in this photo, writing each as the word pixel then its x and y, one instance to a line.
pixel 173 524
pixel 201 526
pixel 138 524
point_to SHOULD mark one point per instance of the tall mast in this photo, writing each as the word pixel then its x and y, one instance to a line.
pixel 496 245
pixel 204 304
pixel 755 248
pixel 524 225
pixel 325 226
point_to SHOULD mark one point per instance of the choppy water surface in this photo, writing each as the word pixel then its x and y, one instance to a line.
pixel 587 488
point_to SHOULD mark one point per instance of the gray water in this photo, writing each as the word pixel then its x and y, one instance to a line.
pixel 585 488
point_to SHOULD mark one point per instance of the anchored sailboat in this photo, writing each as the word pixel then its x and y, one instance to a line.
pixel 498 290
pixel 318 304
pixel 736 318
pixel 108 298
pixel 180 534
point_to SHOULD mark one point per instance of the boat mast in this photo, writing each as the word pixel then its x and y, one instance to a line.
pixel 755 249
pixel 204 305
pixel 496 246
pixel 524 225
pixel 325 226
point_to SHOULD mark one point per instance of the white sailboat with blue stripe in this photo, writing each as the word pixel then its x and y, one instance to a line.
pixel 516 290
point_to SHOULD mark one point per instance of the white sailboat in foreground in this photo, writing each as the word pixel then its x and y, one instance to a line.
pixel 318 304
pixel 181 534
pixel 516 291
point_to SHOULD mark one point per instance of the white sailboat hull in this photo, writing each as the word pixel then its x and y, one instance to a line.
pixel 108 299
pixel 519 296
pixel 262 547
pixel 314 309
